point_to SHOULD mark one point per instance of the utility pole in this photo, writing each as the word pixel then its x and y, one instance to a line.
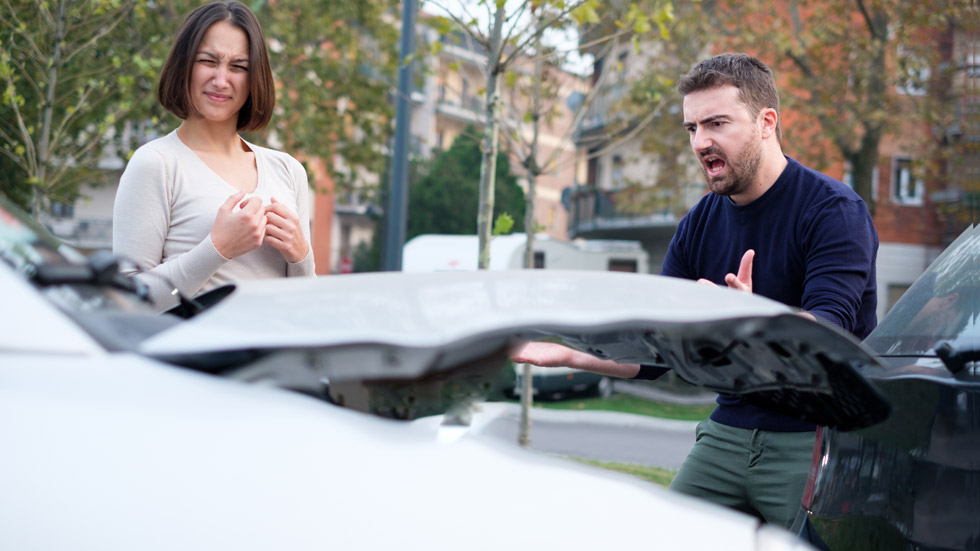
pixel 397 210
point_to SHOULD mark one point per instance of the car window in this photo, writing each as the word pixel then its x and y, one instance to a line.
pixel 942 305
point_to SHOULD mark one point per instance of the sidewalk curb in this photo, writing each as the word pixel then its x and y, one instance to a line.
pixel 490 411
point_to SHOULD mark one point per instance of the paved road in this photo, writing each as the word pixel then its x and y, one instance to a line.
pixel 599 435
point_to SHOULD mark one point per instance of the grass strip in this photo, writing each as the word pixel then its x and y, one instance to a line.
pixel 656 475
pixel 625 403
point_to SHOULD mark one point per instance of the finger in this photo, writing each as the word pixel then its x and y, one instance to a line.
pixel 271 230
pixel 286 225
pixel 732 281
pixel 704 281
pixel 281 210
pixel 231 200
pixel 274 219
pixel 251 205
pixel 745 268
pixel 274 242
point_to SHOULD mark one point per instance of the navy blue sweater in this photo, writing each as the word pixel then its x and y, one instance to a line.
pixel 815 247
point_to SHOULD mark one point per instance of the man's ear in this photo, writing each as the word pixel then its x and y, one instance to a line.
pixel 768 118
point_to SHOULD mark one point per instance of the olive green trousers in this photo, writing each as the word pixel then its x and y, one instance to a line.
pixel 759 472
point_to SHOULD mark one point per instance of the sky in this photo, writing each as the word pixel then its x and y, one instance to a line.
pixel 563 40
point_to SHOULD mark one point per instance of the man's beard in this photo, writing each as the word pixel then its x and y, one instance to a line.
pixel 741 171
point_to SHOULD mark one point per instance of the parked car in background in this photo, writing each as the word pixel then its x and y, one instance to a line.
pixel 912 481
pixel 552 383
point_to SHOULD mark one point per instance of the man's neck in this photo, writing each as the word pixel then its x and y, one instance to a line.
pixel 772 166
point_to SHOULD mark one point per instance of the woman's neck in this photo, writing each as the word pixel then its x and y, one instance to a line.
pixel 207 137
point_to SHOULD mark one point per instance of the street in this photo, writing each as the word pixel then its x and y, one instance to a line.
pixel 598 435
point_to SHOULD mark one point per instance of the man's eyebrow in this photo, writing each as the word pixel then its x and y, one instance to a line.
pixel 707 120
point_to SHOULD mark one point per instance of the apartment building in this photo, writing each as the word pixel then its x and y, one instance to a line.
pixel 917 213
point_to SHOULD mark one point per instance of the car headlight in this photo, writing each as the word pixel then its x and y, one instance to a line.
pixel 773 538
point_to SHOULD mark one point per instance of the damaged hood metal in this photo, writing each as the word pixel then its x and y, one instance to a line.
pixel 453 330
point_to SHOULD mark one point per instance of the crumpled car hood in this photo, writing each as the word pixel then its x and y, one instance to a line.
pixel 439 337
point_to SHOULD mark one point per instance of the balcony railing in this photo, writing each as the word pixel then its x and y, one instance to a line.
pixel 469 107
pixel 593 209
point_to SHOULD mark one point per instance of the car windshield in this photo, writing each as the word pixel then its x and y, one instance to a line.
pixel 54 267
pixel 942 305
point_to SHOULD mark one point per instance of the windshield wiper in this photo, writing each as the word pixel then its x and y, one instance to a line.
pixel 954 359
pixel 100 269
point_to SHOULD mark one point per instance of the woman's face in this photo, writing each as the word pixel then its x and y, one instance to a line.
pixel 219 77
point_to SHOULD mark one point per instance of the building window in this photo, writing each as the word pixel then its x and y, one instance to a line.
pixel 597 68
pixel 895 292
pixel 618 179
pixel 62 210
pixel 915 73
pixel 848 179
pixel 906 188
pixel 592 172
pixel 622 265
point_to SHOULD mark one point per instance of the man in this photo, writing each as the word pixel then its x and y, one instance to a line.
pixel 769 226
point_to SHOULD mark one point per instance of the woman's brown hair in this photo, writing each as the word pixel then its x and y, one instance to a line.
pixel 174 89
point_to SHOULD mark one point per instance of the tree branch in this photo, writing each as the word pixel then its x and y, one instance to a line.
pixel 30 155
pixel 464 26
pixel 868 19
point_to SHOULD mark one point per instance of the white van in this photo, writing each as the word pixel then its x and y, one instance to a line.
pixel 434 253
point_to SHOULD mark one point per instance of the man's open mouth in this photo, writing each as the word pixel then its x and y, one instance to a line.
pixel 714 165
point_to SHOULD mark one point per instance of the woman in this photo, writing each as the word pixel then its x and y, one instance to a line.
pixel 200 207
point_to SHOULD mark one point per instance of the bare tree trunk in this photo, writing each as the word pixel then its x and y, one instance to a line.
pixel 491 141
pixel 47 113
pixel 527 397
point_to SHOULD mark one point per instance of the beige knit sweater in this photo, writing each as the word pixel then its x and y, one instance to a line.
pixel 166 204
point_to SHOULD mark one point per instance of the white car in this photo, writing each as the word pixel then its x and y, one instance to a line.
pixel 267 420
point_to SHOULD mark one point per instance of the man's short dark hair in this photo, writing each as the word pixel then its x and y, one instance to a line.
pixel 175 79
pixel 753 78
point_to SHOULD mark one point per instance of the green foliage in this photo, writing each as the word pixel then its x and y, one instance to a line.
pixel 503 224
pixel 367 254
pixel 587 12
pixel 653 102
pixel 444 192
pixel 844 64
pixel 334 63
pixel 73 74
pixel 657 475
pixel 625 403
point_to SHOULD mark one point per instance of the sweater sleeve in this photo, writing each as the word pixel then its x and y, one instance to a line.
pixel 841 247
pixel 141 219
pixel 301 189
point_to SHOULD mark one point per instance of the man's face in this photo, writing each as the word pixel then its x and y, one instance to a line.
pixel 726 139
